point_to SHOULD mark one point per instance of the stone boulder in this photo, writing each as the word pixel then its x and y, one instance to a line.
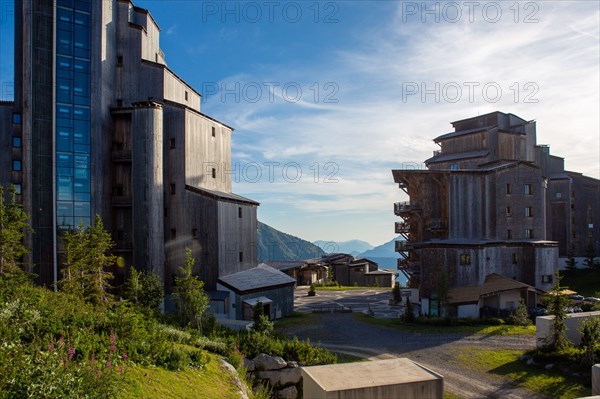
pixel 288 393
pixel 265 362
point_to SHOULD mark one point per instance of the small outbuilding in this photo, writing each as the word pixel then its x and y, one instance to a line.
pixel 264 284
pixel 380 379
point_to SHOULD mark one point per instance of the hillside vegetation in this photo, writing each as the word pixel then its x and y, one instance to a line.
pixel 274 245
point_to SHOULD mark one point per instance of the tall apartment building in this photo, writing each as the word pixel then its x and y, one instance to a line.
pixel 492 201
pixel 101 125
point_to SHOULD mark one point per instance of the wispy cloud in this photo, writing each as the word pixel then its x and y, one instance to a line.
pixel 548 71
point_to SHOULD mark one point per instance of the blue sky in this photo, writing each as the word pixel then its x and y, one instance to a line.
pixel 353 89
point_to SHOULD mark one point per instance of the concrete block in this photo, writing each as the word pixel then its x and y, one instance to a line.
pixel 596 379
pixel 382 379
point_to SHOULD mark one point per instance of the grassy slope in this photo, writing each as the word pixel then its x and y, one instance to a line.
pixel 212 382
pixel 421 328
pixel 503 362
pixel 585 281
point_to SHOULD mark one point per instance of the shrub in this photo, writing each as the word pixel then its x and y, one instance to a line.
pixel 521 316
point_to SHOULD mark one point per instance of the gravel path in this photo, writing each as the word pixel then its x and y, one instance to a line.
pixel 344 334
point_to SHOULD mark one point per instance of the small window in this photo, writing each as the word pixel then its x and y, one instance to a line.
pixel 16 119
pixel 16 142
pixel 528 233
pixel 194 232
pixel 508 188
pixel 119 60
pixel 16 165
pixel 453 166
pixel 559 195
pixel 514 258
pixel 240 212
pixel 465 259
pixel 18 188
pixel 172 188
pixel 528 189
pixel 547 278
pixel 186 96
pixel 214 131
pixel 528 211
pixel 214 173
pixel 166 211
pixel 508 211
pixel 172 143
pixel 509 234
pixel 241 256
pixel 173 234
pixel 119 102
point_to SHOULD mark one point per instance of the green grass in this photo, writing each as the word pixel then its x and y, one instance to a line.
pixel 422 328
pixel 296 319
pixel 504 362
pixel 450 395
pixel 211 382
pixel 350 288
pixel 585 281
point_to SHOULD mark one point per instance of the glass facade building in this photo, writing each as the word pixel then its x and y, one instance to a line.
pixel 72 130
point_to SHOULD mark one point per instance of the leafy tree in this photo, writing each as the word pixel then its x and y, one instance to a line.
pixel 590 254
pixel 396 291
pixel 409 314
pixel 14 224
pixel 144 289
pixel 557 305
pixel 590 339
pixel 443 291
pixel 189 293
pixel 261 321
pixel 571 262
pixel 87 258
pixel 330 274
pixel 521 316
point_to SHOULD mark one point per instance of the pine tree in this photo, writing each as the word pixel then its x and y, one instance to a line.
pixel 521 316
pixel 144 289
pixel 14 224
pixel 261 321
pixel 87 258
pixel 557 305
pixel 189 293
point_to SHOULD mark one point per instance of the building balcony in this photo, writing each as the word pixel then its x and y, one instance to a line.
pixel 402 208
pixel 437 152
pixel 402 228
pixel 402 246
pixel 121 201
pixel 405 264
pixel 121 155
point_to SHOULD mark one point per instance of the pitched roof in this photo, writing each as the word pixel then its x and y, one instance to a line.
pixel 458 155
pixel 260 277
pixel 220 195
pixel 493 284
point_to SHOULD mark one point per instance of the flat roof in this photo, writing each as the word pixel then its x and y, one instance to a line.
pixel 346 376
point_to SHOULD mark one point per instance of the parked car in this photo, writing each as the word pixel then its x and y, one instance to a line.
pixel 591 299
pixel 576 297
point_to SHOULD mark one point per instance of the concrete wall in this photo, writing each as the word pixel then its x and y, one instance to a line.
pixel 596 379
pixel 148 186
pixel 205 152
pixel 382 379
pixel 468 311
pixel 543 325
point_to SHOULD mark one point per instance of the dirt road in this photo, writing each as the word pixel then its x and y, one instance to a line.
pixel 344 334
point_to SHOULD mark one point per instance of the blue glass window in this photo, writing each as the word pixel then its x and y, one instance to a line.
pixel 64 139
pixel 64 111
pixel 16 165
pixel 64 42
pixel 82 197
pixel 81 113
pixel 16 119
pixel 64 188
pixel 64 208
pixel 64 160
pixel 82 209
pixel 18 188
pixel 16 142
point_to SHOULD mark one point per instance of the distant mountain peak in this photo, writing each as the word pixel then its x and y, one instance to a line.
pixel 353 247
